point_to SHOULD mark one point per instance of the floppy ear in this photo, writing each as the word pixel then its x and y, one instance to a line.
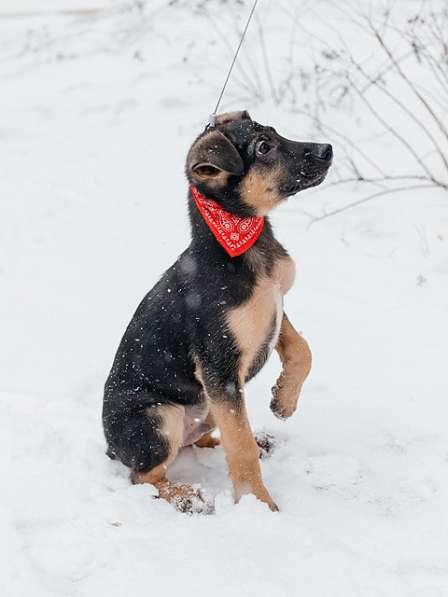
pixel 228 117
pixel 212 154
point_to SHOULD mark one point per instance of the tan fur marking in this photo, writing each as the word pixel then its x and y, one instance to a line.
pixel 228 117
pixel 198 373
pixel 172 427
pixel 240 447
pixel 255 259
pixel 154 477
pixel 207 440
pixel 285 272
pixel 250 322
pixel 182 494
pixel 241 450
pixel 296 359
pixel 259 189
pixel 215 181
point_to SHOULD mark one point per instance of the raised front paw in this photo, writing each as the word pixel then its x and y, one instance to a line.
pixel 284 401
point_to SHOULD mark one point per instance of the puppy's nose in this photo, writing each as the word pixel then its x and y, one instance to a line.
pixel 323 151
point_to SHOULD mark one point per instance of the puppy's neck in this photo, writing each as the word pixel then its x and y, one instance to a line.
pixel 258 260
pixel 236 234
pixel 206 240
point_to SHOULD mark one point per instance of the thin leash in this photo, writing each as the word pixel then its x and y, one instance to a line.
pixel 212 119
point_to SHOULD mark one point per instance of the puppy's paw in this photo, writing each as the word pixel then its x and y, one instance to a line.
pixel 261 493
pixel 184 498
pixel 283 403
pixel 266 442
pixel 194 504
pixel 207 441
pixel 264 497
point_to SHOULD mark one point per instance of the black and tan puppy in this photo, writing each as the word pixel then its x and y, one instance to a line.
pixel 211 322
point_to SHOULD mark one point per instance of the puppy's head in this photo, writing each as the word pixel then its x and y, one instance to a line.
pixel 249 168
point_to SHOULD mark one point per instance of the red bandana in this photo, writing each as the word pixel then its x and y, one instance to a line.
pixel 235 233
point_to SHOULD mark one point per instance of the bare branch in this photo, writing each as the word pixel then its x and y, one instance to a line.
pixel 404 76
pixel 393 131
pixel 380 180
pixel 369 198
pixel 405 109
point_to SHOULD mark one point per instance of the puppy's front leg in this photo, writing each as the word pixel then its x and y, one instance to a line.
pixel 228 408
pixel 241 450
pixel 295 356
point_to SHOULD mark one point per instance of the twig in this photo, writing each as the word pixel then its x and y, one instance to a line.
pixel 405 109
pixel 392 130
pixel 369 198
pixel 380 180
pixel 404 76
pixel 267 67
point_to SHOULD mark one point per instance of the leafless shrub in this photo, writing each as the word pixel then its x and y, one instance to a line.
pixel 400 89
pixel 405 95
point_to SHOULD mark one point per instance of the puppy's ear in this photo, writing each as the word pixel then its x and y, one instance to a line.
pixel 213 154
pixel 229 117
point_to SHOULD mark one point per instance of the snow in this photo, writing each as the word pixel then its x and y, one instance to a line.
pixel 97 113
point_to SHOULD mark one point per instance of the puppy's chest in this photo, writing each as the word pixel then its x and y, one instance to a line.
pixel 256 323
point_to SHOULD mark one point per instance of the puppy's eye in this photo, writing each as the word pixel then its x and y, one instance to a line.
pixel 263 147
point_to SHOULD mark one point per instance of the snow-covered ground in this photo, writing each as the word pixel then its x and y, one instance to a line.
pixel 97 111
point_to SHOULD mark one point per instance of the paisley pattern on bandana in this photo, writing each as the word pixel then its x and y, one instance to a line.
pixel 234 233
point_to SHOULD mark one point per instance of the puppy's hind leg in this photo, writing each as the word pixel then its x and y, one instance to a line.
pixel 167 425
